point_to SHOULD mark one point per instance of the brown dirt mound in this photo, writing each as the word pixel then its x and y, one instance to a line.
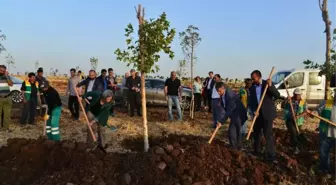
pixel 172 160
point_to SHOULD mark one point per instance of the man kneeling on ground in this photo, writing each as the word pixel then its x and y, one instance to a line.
pixel 233 108
pixel 98 114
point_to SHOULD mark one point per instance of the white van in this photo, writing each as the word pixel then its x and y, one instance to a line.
pixel 308 80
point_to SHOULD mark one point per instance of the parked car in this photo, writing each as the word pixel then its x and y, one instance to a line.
pixel 154 94
pixel 308 80
pixel 16 90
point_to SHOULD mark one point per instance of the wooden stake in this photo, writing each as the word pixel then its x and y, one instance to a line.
pixel 259 106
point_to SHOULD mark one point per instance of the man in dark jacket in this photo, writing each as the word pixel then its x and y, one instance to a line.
pixel 41 80
pixel 54 111
pixel 98 114
pixel 266 115
pixel 233 108
pixel 111 85
pixel 208 87
pixel 92 84
pixel 102 78
pixel 133 84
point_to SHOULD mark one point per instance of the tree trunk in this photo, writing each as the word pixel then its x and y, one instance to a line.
pixel 192 103
pixel 327 22
pixel 140 15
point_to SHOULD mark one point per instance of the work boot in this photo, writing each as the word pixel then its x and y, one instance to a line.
pixel 296 151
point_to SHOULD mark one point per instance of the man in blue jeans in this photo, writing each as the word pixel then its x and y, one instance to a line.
pixel 173 92
pixel 215 101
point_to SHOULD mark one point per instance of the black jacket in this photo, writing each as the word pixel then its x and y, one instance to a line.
pixel 212 85
pixel 233 107
pixel 52 98
pixel 97 86
pixel 267 109
pixel 130 83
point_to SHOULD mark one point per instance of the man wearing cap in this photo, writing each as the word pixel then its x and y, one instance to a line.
pixel 54 103
pixel 98 114
pixel 300 107
pixel 133 84
pixel 30 91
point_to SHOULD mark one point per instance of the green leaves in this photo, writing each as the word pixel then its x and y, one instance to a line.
pixel 94 63
pixel 156 36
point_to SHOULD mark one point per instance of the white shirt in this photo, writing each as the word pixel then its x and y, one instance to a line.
pixel 209 83
pixel 214 93
pixel 90 86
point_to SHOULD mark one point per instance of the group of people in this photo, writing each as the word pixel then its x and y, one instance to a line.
pixel 221 101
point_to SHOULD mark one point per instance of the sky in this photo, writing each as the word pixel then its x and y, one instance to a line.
pixel 237 36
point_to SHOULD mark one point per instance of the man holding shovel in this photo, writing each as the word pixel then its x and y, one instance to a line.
pixel 299 108
pixel 98 114
pixel 266 115
pixel 327 131
pixel 233 108
pixel 54 111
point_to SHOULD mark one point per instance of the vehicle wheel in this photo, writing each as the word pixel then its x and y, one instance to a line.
pixel 17 97
pixel 185 104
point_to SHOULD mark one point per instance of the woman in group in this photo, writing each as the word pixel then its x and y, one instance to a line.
pixel 197 93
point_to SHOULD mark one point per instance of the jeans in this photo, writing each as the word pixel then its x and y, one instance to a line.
pixel 326 144
pixel 176 101
pixel 235 136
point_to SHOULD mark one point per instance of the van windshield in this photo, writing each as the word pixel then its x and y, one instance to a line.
pixel 279 76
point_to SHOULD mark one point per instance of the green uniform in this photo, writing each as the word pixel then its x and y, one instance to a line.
pixel 299 107
pixel 52 127
pixel 5 103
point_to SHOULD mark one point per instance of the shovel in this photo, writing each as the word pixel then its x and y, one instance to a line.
pixel 45 121
pixel 300 135
pixel 214 133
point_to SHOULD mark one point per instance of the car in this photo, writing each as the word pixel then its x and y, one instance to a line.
pixel 16 90
pixel 154 94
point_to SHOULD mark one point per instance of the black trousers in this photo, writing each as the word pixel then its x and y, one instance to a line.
pixel 266 127
pixel 29 112
pixel 235 136
pixel 73 105
pixel 205 97
pixel 209 94
pixel 198 100
pixel 134 99
pixel 293 133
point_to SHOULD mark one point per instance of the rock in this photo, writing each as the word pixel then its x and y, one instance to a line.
pixel 169 148
pixel 241 181
pixel 183 140
pixel 160 151
pixel 162 165
pixel 175 153
pixel 186 180
pixel 224 172
pixel 127 178
pixel 167 159
pixel 69 145
pixel 69 183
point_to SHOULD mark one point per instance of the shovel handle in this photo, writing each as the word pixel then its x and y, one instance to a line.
pixel 85 115
pixel 259 106
pixel 292 108
pixel 213 134
pixel 323 119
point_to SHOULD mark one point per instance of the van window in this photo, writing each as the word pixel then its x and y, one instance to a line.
pixel 295 80
pixel 314 78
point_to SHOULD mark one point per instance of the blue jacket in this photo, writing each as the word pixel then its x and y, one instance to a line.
pixel 233 108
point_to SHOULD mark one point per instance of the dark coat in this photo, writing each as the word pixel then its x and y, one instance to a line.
pixel 52 98
pixel 233 108
pixel 97 86
pixel 267 109
pixel 212 85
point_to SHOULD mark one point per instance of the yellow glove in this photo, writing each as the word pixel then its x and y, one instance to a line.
pixel 46 117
